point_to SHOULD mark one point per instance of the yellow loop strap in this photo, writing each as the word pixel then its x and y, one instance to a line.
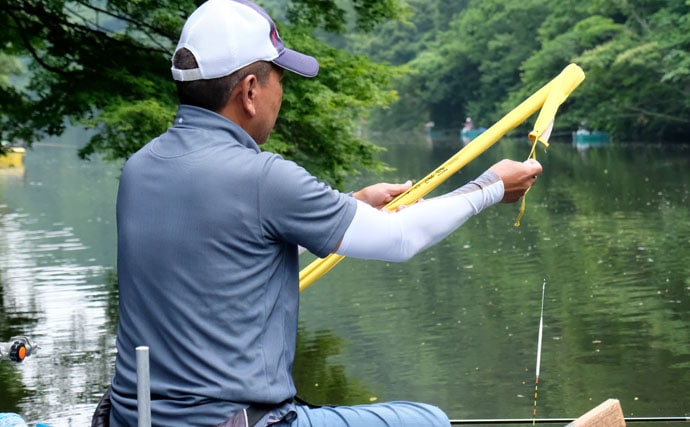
pixel 521 213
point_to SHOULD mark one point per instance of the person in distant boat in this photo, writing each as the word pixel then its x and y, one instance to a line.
pixel 582 129
pixel 468 132
pixel 208 233
pixel 469 124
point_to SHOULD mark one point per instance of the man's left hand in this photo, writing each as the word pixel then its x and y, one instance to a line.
pixel 379 195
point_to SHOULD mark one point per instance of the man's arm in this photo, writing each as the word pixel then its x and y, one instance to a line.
pixel 375 234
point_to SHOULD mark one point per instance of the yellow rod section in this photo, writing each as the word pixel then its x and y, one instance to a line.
pixel 567 81
pixel 550 96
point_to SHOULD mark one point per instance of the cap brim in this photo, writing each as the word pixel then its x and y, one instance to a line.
pixel 297 62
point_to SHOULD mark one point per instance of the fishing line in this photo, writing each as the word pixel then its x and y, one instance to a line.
pixel 541 329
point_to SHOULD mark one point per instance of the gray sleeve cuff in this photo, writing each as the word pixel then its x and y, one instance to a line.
pixel 482 181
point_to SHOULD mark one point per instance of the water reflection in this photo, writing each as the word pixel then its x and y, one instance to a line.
pixel 456 326
pixel 59 300
pixel 52 271
pixel 323 381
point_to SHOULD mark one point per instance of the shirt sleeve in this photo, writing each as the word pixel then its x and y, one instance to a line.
pixel 298 208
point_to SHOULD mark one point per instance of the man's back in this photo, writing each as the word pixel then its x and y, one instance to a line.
pixel 207 267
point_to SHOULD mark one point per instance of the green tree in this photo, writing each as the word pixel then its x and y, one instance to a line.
pixel 570 29
pixel 483 57
pixel 469 64
pixel 105 64
pixel 636 61
pixel 9 65
pixel 429 63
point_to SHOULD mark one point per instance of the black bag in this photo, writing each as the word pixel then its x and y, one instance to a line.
pixel 244 418
pixel 101 416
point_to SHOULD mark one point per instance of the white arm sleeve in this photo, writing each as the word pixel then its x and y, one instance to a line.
pixel 388 236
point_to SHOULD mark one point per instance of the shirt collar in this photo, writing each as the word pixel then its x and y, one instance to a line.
pixel 189 116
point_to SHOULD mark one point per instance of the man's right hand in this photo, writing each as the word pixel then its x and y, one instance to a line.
pixel 517 177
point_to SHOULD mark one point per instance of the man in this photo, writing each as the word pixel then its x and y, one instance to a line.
pixel 208 234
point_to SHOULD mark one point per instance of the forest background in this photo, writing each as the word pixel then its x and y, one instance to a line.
pixel 390 65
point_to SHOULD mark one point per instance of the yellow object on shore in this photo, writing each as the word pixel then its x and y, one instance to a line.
pixel 548 98
pixel 13 157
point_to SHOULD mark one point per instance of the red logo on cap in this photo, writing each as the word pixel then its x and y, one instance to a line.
pixel 274 36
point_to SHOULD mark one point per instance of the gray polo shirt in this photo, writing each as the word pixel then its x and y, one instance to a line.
pixel 208 228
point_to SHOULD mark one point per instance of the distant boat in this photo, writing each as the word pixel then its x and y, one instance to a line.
pixel 595 138
pixel 12 157
pixel 468 135
pixel 469 132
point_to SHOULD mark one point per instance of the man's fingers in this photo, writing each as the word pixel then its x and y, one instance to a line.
pixel 534 166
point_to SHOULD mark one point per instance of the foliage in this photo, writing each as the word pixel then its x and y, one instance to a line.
pixel 329 15
pixel 78 61
pixel 347 84
pixel 637 84
pixel 123 127
pixel 9 65
pixel 427 62
pixel 488 55
pixel 105 65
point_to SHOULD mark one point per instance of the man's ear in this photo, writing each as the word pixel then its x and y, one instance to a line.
pixel 241 108
pixel 247 94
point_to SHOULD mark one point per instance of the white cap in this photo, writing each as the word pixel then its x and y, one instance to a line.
pixel 226 35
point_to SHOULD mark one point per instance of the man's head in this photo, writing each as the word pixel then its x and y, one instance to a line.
pixel 230 60
pixel 224 36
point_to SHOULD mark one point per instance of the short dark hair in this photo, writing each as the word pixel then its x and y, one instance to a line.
pixel 213 94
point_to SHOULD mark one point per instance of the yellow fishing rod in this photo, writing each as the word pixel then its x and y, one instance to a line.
pixel 548 99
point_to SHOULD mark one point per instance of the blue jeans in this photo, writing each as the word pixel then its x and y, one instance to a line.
pixel 388 414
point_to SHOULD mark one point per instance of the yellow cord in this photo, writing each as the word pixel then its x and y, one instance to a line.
pixel 532 155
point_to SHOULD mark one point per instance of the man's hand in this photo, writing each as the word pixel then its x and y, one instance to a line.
pixel 517 177
pixel 379 195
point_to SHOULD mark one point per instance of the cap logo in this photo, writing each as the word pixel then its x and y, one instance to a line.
pixel 274 36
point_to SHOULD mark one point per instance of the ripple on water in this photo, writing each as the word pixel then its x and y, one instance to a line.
pixel 46 278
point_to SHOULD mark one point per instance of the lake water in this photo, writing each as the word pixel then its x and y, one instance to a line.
pixel 607 229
